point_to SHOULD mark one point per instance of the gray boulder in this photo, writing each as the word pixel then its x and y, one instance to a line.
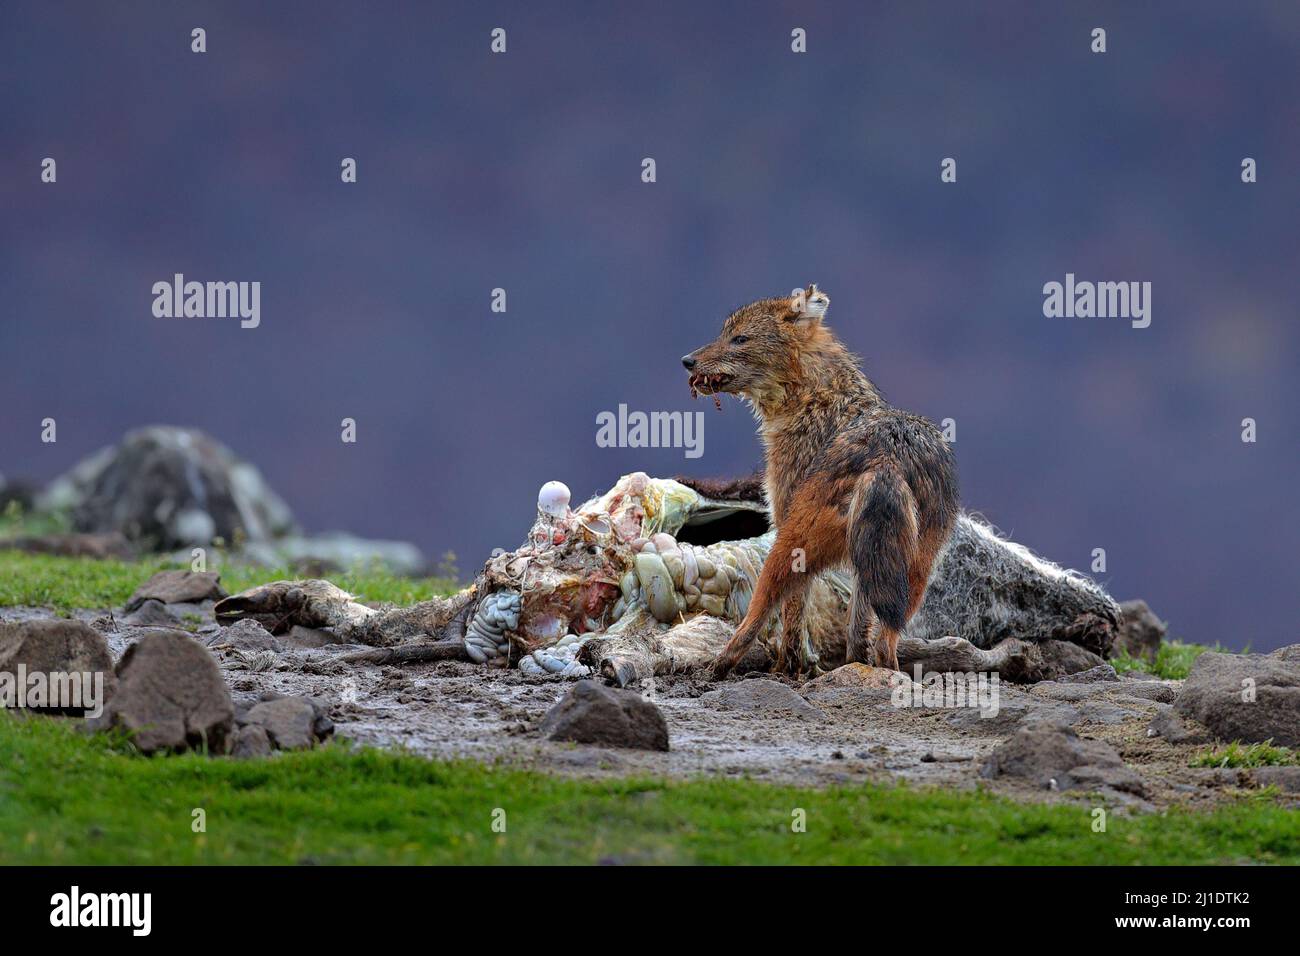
pixel 251 740
pixel 289 722
pixel 1053 756
pixel 1167 725
pixel 592 713
pixel 165 488
pixel 151 613
pixel 178 587
pixel 760 696
pixel 170 695
pixel 1246 697
pixel 246 635
pixel 56 646
pixel 1009 716
pixel 1286 779
pixel 1140 631
pixel 1102 673
pixel 1061 658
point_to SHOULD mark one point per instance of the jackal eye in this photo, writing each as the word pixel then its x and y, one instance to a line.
pixel 739 339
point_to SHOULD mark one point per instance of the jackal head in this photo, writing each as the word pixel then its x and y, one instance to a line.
pixel 757 354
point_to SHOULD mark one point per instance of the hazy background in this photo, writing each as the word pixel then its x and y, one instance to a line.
pixel 775 169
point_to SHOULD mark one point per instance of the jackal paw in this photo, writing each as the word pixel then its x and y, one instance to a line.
pixel 727 661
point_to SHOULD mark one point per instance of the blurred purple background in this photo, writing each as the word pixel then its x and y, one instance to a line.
pixel 774 170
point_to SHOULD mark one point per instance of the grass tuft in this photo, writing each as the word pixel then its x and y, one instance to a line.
pixel 1173 661
pixel 1237 754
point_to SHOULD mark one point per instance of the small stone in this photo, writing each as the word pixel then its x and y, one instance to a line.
pixel 761 696
pixel 152 613
pixel 1062 657
pixel 855 675
pixel 1167 725
pixel 309 637
pixel 247 635
pixel 57 647
pixel 170 695
pixel 1286 779
pixel 591 713
pixel 1053 756
pixel 251 740
pixel 289 722
pixel 1093 675
pixel 1140 631
pixel 178 587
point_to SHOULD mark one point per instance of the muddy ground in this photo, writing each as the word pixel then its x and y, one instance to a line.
pixel 763 727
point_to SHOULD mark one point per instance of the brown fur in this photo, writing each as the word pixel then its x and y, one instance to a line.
pixel 850 480
pixel 727 489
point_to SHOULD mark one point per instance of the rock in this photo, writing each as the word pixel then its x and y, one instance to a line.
pixel 591 713
pixel 1286 779
pixel 152 613
pixel 1140 631
pixel 251 740
pixel 1010 716
pixel 246 635
pixel 166 488
pixel 178 587
pixel 1093 675
pixel 170 695
pixel 1219 777
pixel 56 646
pixel 1246 697
pixel 1169 726
pixel 760 696
pixel 853 675
pixel 309 637
pixel 1047 754
pixel 111 544
pixel 1161 691
pixel 289 722
pixel 169 489
pixel 1062 657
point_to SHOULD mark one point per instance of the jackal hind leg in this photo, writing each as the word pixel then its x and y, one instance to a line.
pixel 793 647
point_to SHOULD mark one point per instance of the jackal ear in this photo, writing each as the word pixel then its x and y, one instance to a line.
pixel 808 305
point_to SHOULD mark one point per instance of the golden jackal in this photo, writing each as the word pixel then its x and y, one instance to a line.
pixel 850 479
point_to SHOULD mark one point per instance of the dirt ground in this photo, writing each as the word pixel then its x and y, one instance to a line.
pixel 763 727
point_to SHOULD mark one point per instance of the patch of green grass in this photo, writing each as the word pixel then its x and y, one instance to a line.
pixel 65 584
pixel 69 798
pixel 16 522
pixel 1245 755
pixel 1173 661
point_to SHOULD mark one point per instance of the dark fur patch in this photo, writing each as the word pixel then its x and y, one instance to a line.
pixel 878 547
